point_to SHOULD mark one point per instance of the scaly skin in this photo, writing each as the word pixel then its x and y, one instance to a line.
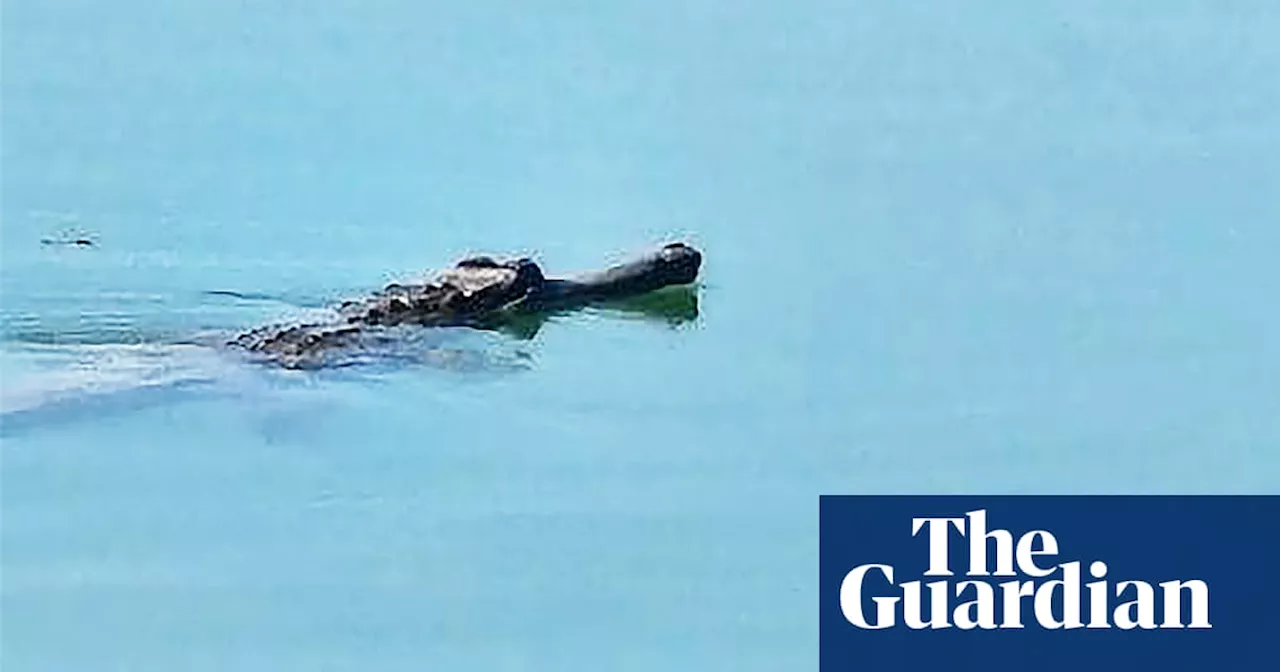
pixel 475 292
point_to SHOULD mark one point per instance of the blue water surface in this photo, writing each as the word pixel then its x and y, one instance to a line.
pixel 989 247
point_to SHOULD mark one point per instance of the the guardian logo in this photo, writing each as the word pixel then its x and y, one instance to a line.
pixel 1010 583
pixel 1048 583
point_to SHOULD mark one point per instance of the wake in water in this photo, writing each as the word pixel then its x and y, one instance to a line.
pixel 112 362
pixel 54 384
pixel 47 384
pixel 62 374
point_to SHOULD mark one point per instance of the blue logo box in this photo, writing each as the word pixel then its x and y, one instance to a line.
pixel 1049 583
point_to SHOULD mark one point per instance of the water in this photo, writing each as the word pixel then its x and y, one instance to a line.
pixel 953 247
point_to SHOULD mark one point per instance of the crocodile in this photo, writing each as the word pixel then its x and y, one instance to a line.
pixel 479 292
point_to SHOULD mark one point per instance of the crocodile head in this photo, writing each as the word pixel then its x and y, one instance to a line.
pixel 677 263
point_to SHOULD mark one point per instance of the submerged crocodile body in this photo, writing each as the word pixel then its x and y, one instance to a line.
pixel 477 292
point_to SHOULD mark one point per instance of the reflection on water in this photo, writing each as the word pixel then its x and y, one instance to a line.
pixel 673 306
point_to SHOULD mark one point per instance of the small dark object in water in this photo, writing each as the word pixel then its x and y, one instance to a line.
pixel 74 242
pixel 476 292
